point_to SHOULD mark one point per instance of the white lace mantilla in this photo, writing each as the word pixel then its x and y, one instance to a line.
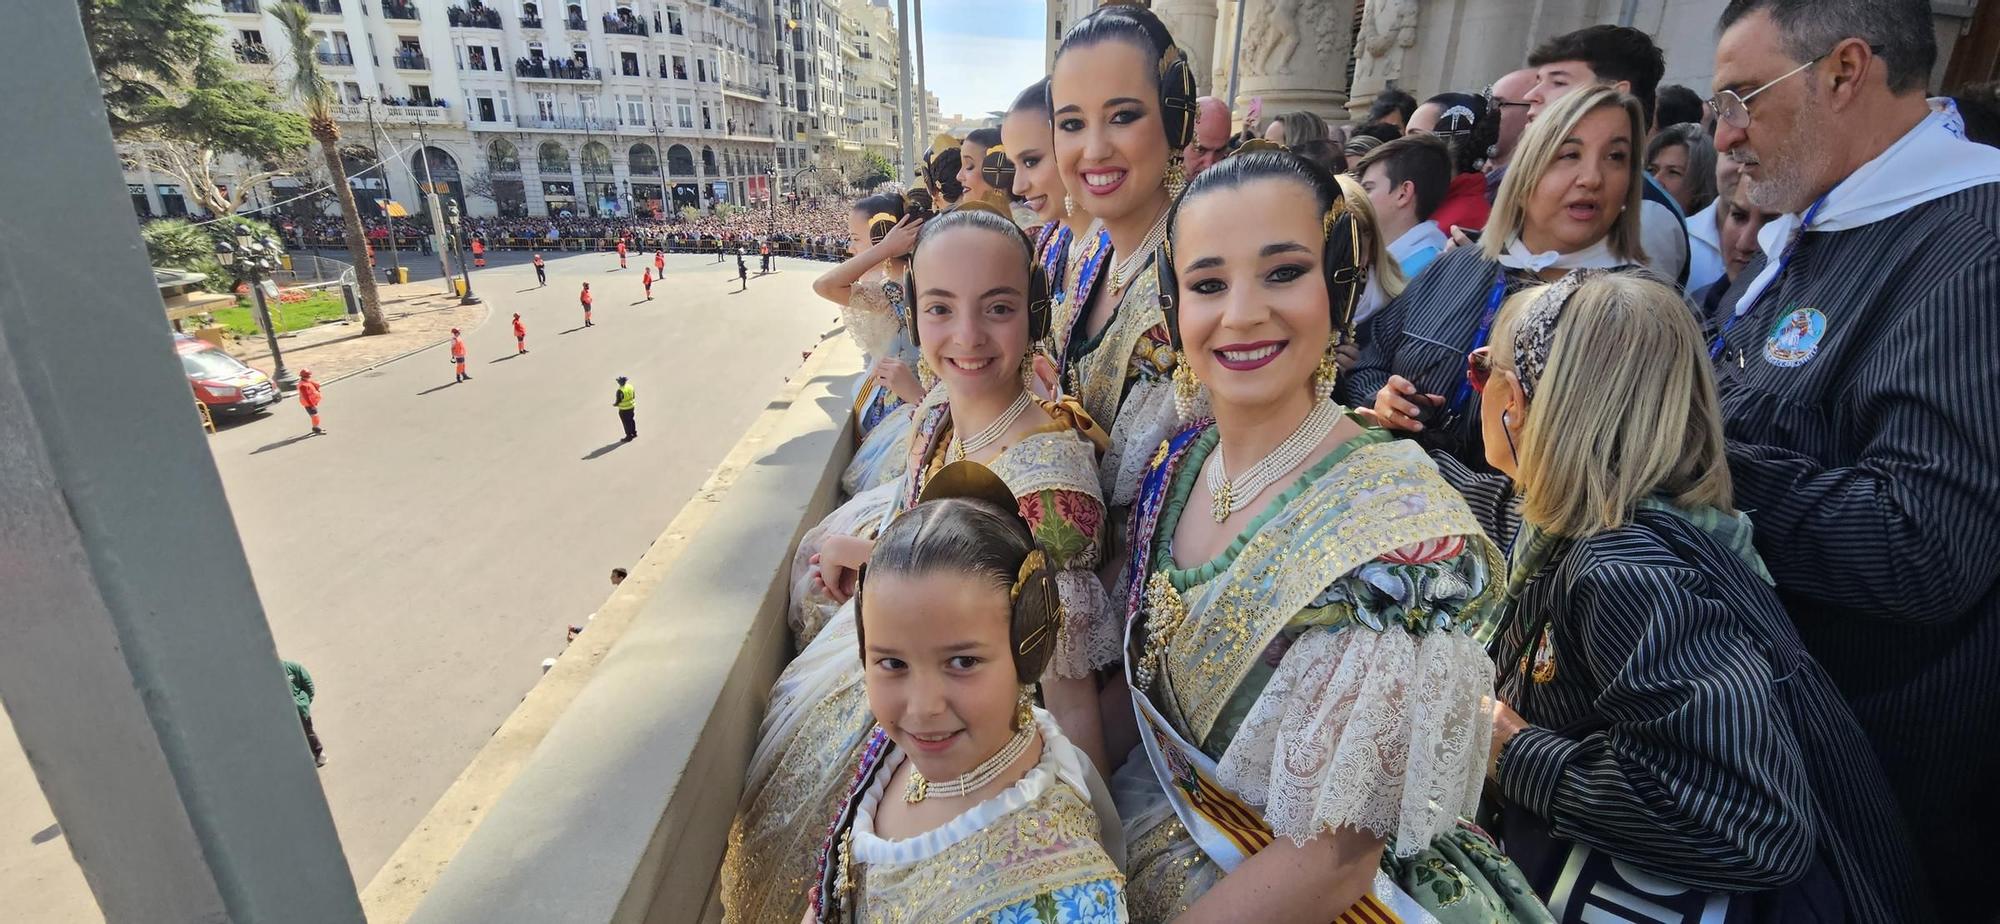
pixel 1378 731
pixel 1146 418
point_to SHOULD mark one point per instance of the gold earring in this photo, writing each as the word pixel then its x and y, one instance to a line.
pixel 925 376
pixel 1024 708
pixel 1175 179
pixel 1186 389
pixel 1328 371
pixel 1069 205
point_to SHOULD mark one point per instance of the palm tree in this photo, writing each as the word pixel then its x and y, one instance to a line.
pixel 316 96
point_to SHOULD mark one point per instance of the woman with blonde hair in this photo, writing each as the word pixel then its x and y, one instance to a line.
pixel 1570 201
pixel 1656 707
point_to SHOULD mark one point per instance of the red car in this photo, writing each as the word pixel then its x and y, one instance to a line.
pixel 222 381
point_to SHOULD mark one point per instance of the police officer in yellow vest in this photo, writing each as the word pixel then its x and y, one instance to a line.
pixel 625 401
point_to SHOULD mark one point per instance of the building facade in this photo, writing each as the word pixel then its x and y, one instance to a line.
pixel 561 107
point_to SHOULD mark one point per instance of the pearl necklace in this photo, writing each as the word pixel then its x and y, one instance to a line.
pixel 918 788
pixel 1227 494
pixel 995 430
pixel 1123 267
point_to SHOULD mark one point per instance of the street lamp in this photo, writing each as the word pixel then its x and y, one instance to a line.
pixel 451 220
pixel 253 260
pixel 430 189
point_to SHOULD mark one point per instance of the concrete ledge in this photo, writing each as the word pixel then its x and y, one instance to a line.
pixel 622 811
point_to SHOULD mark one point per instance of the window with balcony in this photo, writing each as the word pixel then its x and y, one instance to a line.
pixel 624 22
pixel 483 107
pixel 680 68
pixel 399 9
pixel 323 7
pixel 575 20
pixel 545 107
pixel 707 122
pixel 686 115
pixel 531 16
pixel 420 95
pixel 475 58
pixel 674 24
pixel 701 70
pixel 474 15
pixel 410 56
pixel 239 6
pixel 249 47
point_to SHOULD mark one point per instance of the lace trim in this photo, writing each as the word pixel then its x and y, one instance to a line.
pixel 1377 731
pixel 1090 636
pixel 1145 419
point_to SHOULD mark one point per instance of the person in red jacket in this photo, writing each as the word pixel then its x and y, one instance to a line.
pixel 458 357
pixel 309 399
pixel 647 281
pixel 478 253
pixel 621 254
pixel 520 336
pixel 659 264
pixel 586 299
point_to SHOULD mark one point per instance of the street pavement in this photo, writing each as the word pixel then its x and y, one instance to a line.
pixel 424 556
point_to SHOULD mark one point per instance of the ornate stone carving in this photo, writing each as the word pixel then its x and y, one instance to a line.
pixel 1388 32
pixel 1294 54
pixel 1192 23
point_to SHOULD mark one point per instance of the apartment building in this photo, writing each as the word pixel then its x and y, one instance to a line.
pixel 553 107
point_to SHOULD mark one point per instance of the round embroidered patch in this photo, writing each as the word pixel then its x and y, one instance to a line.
pixel 1795 338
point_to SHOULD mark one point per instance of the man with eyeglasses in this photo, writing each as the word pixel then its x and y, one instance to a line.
pixel 1856 364
pixel 1510 94
pixel 1211 136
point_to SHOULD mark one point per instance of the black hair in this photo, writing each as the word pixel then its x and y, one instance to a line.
pixel 1678 105
pixel 1469 138
pixel 1033 99
pixel 1614 53
pixel 1423 160
pixel 1114 22
pixel 1392 100
pixel 984 137
pixel 980 540
pixel 1979 106
pixel 944 175
pixel 890 204
pixel 1380 131
pixel 1810 28
pixel 1173 83
pixel 982 217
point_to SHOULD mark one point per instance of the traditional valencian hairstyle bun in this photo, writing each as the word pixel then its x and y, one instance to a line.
pixel 1128 22
pixel 883 211
pixel 987 217
pixel 969 522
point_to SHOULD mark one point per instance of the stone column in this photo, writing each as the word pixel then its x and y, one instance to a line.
pixel 1294 55
pixel 1192 23
pixel 1388 32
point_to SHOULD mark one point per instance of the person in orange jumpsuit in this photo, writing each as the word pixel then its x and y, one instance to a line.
pixel 647 281
pixel 541 272
pixel 520 335
pixel 309 399
pixel 586 299
pixel 458 357
pixel 478 253
pixel 621 254
pixel 659 264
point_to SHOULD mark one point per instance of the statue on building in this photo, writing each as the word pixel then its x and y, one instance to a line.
pixel 1388 32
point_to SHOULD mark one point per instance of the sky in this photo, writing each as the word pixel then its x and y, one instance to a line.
pixel 979 54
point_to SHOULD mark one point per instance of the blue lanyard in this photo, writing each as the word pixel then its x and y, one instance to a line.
pixel 1721 336
pixel 1480 334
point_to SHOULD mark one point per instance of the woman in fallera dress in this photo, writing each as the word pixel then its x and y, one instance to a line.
pixel 968 803
pixel 979 305
pixel 868 287
pixel 1305 593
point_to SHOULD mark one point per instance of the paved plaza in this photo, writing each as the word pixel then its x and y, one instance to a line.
pixel 425 556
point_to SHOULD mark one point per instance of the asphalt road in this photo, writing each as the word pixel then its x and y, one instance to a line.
pixel 424 557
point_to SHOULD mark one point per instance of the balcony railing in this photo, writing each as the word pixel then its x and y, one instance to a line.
pixel 746 89
pixel 577 24
pixel 531 22
pixel 252 54
pixel 411 61
pixel 323 7
pixel 570 124
pixel 616 26
pixel 475 17
pixel 399 9
pixel 239 6
pixel 339 58
pixel 388 113
pixel 555 70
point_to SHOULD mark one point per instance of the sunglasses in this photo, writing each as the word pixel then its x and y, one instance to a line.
pixel 1479 369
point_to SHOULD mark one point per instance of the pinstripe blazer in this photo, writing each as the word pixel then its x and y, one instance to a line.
pixel 1680 724
pixel 1868 452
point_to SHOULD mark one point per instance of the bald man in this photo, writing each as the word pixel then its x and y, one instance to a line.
pixel 1211 135
pixel 1509 93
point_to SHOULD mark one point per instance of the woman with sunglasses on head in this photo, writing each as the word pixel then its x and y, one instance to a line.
pixel 1570 201
pixel 1657 706
pixel 1304 593
pixel 868 287
pixel 980 305
pixel 1123 104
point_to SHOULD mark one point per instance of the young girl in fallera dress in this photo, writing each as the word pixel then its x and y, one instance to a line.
pixel 968 803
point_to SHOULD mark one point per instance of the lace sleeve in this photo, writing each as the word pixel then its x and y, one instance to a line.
pixel 1068 526
pixel 1378 722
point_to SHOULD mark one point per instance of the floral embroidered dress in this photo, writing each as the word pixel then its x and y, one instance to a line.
pixel 1321 672
pixel 818 718
pixel 1044 850
pixel 1124 375
pixel 878 320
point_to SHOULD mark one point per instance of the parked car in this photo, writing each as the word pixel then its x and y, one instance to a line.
pixel 222 381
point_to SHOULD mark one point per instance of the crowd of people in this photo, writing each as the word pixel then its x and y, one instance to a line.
pixel 816 229
pixel 1565 500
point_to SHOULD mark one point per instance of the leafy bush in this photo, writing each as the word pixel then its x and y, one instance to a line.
pixel 177 243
